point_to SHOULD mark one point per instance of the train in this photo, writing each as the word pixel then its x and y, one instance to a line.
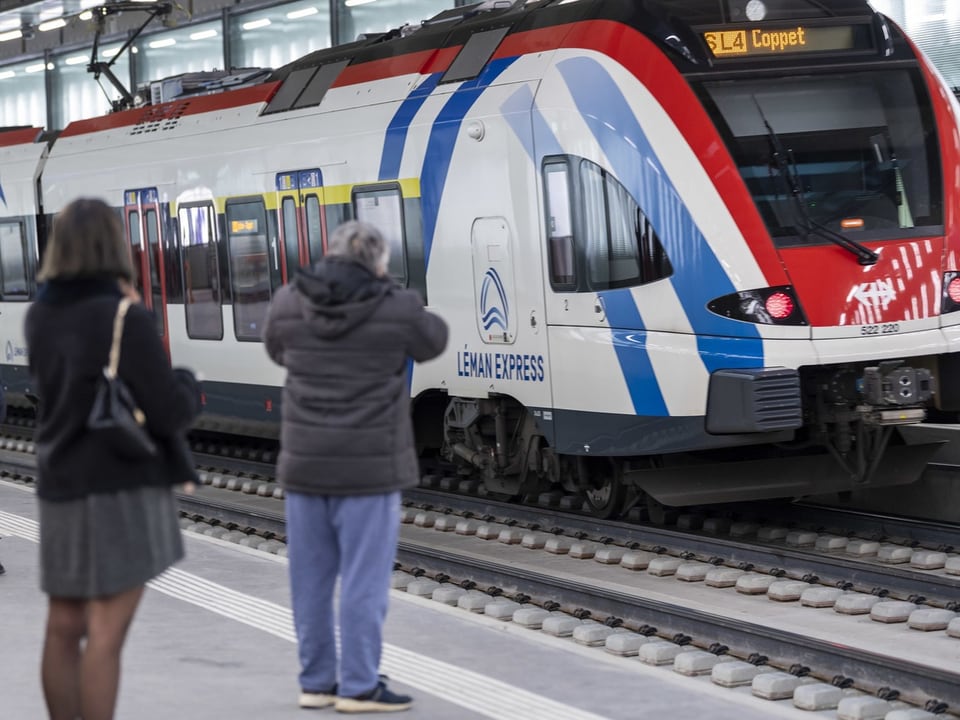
pixel 690 252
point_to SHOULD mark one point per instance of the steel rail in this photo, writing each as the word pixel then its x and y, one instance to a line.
pixel 939 589
pixel 870 672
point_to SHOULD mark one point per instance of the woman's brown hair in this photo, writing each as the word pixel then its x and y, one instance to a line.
pixel 87 239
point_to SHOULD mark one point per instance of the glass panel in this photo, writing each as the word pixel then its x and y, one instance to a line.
pixel 201 271
pixel 249 267
pixel 314 228
pixel 384 210
pixel 280 34
pixel 136 251
pixel 154 259
pixel 13 260
pixel 621 246
pixel 560 225
pixel 857 146
pixel 624 255
pixel 190 49
pixel 383 15
pixel 22 95
pixel 76 95
pixel 291 237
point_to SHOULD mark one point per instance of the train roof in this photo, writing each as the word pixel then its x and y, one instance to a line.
pixel 664 21
pixel 466 38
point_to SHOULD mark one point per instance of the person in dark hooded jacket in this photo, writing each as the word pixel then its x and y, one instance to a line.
pixel 346 332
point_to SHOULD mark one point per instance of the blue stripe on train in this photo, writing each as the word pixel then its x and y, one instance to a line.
pixel 698 277
pixel 529 125
pixel 443 140
pixel 396 138
pixel 631 348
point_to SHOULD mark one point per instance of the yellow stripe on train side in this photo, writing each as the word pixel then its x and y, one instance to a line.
pixel 331 194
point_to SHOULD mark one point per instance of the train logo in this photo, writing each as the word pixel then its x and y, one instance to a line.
pixel 494 308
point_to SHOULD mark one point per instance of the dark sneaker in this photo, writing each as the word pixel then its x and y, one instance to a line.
pixel 318 700
pixel 380 699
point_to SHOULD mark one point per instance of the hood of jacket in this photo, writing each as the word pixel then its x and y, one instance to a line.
pixel 339 294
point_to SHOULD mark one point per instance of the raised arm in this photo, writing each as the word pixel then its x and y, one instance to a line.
pixel 169 398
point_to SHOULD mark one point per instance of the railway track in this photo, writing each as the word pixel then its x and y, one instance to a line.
pixel 591 596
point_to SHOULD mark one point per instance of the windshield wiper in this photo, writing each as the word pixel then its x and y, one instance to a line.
pixel 865 255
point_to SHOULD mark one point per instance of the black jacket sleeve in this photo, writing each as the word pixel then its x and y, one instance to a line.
pixel 272 338
pixel 428 332
pixel 169 398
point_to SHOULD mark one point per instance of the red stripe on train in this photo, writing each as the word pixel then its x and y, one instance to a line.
pixel 19 136
pixel 193 105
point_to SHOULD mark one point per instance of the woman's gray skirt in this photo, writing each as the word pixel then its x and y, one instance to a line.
pixel 107 543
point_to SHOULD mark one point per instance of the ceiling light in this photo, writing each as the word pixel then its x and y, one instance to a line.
pixel 165 42
pixel 305 12
pixel 203 35
pixel 110 52
pixel 354 3
pixel 76 60
pixel 38 67
pixel 52 25
pixel 256 24
pixel 4 74
pixel 11 35
pixel 86 15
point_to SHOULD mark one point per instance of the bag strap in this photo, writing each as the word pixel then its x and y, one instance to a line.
pixel 111 369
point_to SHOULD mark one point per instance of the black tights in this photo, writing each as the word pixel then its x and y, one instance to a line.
pixel 81 679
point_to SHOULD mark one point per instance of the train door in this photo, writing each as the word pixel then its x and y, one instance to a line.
pixel 568 304
pixel 301 206
pixel 144 226
pixel 493 281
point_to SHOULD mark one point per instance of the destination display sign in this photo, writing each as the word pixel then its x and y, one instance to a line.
pixel 765 41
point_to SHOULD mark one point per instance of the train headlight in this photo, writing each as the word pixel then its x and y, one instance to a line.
pixel 780 306
pixel 951 293
pixel 766 306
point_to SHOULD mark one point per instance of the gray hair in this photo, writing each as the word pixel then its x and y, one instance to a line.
pixel 361 242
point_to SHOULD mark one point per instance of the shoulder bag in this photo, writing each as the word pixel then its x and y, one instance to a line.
pixel 115 416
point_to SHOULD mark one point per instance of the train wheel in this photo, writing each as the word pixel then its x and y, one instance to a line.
pixel 606 498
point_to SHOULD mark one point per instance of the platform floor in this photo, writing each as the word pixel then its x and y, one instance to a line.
pixel 213 639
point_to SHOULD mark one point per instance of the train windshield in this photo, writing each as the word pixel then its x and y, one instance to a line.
pixel 853 152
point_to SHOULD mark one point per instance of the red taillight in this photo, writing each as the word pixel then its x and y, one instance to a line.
pixel 953 290
pixel 780 306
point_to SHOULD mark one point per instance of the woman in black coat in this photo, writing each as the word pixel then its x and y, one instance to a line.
pixel 108 523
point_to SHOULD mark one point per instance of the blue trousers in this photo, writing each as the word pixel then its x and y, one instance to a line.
pixel 354 537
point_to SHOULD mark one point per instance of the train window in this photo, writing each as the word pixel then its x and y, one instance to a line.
pixel 154 258
pixel 249 267
pixel 474 55
pixel 857 145
pixel 382 207
pixel 311 206
pixel 337 214
pixel 13 261
pixel 621 247
pixel 136 253
pixel 560 226
pixel 201 272
pixel 291 236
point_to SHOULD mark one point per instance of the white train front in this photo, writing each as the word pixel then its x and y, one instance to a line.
pixel 674 243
